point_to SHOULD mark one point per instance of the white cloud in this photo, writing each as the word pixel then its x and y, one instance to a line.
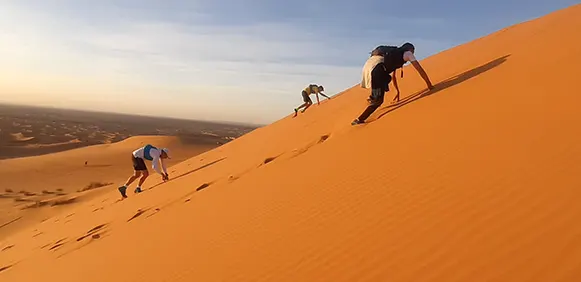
pixel 167 68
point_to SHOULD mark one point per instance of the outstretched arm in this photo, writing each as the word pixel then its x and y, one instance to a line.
pixel 318 102
pixel 322 94
pixel 156 161
pixel 396 98
pixel 165 175
pixel 163 165
pixel 155 164
pixel 423 74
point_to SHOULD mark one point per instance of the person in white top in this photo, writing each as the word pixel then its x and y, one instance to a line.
pixel 138 157
pixel 376 74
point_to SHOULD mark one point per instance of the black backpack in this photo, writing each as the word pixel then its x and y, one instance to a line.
pixel 393 57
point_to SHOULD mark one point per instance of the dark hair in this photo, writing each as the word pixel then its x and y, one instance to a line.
pixel 408 46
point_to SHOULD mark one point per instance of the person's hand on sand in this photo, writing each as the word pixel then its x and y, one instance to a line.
pixel 165 177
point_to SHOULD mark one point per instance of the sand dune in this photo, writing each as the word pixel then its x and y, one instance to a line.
pixel 477 181
pixel 42 181
pixel 54 169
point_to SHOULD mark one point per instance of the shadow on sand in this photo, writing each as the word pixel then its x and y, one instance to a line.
pixel 190 172
pixel 443 85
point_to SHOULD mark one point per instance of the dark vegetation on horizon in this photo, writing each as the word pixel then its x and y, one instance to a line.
pixel 30 131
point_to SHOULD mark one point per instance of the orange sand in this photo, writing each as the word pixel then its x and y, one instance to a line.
pixel 478 181
pixel 62 177
pixel 54 170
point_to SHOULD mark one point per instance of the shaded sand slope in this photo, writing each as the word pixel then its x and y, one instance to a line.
pixel 476 182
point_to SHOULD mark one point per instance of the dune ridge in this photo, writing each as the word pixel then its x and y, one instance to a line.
pixel 474 181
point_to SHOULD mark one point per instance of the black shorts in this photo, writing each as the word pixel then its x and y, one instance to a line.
pixel 306 97
pixel 138 163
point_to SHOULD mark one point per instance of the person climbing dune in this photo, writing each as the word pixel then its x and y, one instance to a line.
pixel 138 157
pixel 311 89
pixel 385 60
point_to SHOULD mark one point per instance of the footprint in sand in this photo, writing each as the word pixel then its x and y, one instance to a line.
pixel 5 268
pixel 98 227
pixel 138 214
pixel 93 233
pixel 7 248
pixel 233 178
pixel 56 244
pixel 268 160
pixel 203 186
pixel 154 212
pixel 303 150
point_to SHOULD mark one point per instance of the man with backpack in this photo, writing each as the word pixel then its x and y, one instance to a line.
pixel 138 157
pixel 311 89
pixel 383 61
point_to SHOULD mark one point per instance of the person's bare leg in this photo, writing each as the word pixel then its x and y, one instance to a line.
pixel 123 188
pixel 144 176
pixel 300 107
pixel 306 107
pixel 135 175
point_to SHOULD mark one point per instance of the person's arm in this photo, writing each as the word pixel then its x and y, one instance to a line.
pixel 155 164
pixel 318 102
pixel 165 175
pixel 322 94
pixel 163 167
pixel 423 74
pixel 396 98
pixel 156 155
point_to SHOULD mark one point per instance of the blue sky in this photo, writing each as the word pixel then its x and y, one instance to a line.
pixel 243 61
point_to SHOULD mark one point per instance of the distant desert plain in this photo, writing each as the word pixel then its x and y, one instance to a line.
pixel 52 159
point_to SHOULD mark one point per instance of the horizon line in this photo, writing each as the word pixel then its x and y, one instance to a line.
pixel 220 122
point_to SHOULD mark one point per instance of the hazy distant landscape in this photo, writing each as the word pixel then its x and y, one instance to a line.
pixel 31 131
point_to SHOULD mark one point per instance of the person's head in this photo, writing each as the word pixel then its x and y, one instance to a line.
pixel 379 51
pixel 321 89
pixel 165 153
pixel 408 47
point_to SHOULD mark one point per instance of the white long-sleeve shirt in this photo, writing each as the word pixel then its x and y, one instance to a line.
pixel 155 153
